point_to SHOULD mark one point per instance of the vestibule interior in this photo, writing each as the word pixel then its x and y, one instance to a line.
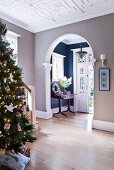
pixel 66 62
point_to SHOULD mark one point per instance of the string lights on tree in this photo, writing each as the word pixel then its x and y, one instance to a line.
pixel 15 129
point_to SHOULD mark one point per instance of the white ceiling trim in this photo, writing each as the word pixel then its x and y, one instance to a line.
pixel 40 15
pixel 31 29
pixel 82 18
pixel 12 34
pixel 12 20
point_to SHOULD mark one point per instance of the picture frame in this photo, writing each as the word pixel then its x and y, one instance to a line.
pixel 104 79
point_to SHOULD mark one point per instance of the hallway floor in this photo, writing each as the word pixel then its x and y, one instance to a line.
pixel 68 143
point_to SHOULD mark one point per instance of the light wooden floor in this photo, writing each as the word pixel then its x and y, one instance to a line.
pixel 68 143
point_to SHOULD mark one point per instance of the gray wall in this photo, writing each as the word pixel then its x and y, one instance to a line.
pixel 99 32
pixel 26 52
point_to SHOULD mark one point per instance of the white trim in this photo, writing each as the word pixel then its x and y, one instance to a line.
pixel 103 125
pixel 55 57
pixel 74 73
pixel 47 60
pixel 55 43
pixel 75 78
pixel 43 114
pixel 47 65
pixel 70 21
pixel 13 34
pixel 75 107
pixel 49 115
pixel 12 38
pixel 33 116
pixel 58 55
pixel 14 21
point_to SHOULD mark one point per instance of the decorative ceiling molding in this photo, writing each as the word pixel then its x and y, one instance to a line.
pixel 11 19
pixel 40 15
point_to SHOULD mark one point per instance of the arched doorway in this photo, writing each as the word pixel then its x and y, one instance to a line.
pixel 48 66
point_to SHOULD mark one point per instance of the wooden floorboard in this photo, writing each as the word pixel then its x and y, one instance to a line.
pixel 69 143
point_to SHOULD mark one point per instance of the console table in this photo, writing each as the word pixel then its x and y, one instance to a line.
pixel 64 97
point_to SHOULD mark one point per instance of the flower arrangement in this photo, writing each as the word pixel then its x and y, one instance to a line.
pixel 64 83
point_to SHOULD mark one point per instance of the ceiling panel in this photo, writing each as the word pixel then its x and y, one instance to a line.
pixel 39 15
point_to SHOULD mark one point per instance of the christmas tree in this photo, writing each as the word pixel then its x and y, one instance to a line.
pixel 15 129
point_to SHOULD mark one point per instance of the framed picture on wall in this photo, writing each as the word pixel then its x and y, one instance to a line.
pixel 104 79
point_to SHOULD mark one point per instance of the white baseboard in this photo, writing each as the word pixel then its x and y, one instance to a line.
pixel 103 125
pixel 49 114
pixel 44 115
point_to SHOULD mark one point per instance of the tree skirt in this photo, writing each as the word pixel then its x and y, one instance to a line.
pixel 14 161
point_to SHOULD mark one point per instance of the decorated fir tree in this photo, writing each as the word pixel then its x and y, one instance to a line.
pixel 15 129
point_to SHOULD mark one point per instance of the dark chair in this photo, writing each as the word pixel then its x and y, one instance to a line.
pixel 58 94
pixel 55 90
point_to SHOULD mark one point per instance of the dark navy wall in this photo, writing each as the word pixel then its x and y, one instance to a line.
pixel 78 45
pixel 65 50
pixel 61 48
pixel 70 66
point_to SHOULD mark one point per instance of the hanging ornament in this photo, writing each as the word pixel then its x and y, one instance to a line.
pixel 19 127
pixel 7 126
pixel 4 38
pixel 10 107
pixel 2 103
pixel 14 57
pixel 24 110
pixel 5 80
pixel 18 90
pixel 7 120
pixel 27 108
pixel 18 114
pixel 7 89
pixel 20 110
pixel 11 77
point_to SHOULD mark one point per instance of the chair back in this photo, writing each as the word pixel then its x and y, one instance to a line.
pixel 55 90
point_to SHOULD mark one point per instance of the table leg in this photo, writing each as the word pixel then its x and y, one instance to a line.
pixel 60 111
pixel 69 106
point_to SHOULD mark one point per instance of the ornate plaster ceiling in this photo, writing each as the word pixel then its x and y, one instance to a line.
pixel 39 15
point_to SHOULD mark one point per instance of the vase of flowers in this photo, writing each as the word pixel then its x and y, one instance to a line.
pixel 64 83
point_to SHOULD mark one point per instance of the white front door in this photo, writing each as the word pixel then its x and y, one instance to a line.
pixel 82 84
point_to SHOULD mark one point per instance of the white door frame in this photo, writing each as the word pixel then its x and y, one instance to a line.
pixel 47 65
pixel 75 78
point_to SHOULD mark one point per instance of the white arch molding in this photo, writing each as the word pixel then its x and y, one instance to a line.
pixel 48 67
